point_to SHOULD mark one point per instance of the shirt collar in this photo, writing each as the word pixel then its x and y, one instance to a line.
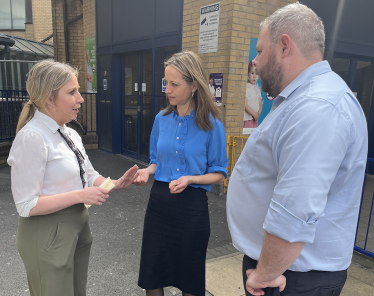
pixel 48 122
pixel 312 71
pixel 181 118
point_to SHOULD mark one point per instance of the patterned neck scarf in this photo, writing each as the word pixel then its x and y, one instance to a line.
pixel 78 155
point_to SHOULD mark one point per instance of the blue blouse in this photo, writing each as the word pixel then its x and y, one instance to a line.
pixel 180 148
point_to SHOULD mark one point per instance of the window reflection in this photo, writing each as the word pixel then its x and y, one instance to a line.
pixel 12 14
pixel 341 67
pixel 364 85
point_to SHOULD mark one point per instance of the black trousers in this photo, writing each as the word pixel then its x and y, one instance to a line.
pixel 311 283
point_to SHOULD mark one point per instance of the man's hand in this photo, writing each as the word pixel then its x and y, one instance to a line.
pixel 255 286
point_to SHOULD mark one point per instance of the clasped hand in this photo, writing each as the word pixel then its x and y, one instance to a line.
pixel 255 287
pixel 177 186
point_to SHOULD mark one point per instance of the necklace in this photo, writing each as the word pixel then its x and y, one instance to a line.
pixel 188 108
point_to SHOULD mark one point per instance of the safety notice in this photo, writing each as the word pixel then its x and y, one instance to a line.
pixel 209 22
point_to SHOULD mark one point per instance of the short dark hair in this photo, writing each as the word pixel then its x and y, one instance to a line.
pixel 210 76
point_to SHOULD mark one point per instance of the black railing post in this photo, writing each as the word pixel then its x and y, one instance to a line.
pixel 8 114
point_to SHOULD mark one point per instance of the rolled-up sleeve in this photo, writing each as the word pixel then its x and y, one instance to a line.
pixel 92 175
pixel 217 154
pixel 153 140
pixel 27 158
pixel 309 147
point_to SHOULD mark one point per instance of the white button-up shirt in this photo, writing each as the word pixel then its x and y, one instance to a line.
pixel 300 174
pixel 43 164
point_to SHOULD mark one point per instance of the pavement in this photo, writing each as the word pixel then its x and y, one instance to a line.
pixel 117 231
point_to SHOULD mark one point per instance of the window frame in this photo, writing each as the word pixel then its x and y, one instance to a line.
pixel 28 14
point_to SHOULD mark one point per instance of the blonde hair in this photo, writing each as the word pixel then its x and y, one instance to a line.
pixel 44 81
pixel 190 66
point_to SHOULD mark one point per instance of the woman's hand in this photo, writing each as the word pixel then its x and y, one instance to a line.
pixel 142 178
pixel 93 195
pixel 127 179
pixel 177 186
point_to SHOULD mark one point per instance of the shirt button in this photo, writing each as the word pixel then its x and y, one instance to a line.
pixel 178 170
pixel 179 123
pixel 177 138
pixel 176 152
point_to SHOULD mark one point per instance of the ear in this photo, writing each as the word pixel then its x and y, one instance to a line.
pixel 49 102
pixel 194 86
pixel 285 43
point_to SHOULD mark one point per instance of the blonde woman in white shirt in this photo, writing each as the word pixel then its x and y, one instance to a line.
pixel 52 179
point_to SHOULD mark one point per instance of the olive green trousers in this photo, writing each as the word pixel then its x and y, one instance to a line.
pixel 55 250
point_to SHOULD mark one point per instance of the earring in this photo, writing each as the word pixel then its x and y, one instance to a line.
pixel 193 93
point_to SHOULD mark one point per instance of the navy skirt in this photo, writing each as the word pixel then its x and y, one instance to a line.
pixel 175 239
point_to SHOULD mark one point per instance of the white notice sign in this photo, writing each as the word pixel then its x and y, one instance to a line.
pixel 209 21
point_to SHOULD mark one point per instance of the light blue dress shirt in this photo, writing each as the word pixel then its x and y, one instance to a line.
pixel 180 148
pixel 300 174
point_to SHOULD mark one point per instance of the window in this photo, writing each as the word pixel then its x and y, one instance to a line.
pixel 12 14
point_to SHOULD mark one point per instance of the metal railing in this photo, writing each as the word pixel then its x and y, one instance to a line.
pixel 364 240
pixel 11 104
pixel 13 74
pixel 234 147
pixel 87 116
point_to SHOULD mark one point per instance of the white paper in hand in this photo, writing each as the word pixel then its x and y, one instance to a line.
pixel 108 184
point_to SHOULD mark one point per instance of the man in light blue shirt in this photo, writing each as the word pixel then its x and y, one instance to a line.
pixel 294 195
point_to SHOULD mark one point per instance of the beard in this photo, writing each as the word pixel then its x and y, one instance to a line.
pixel 271 76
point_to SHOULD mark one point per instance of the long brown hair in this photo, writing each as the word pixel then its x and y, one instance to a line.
pixel 43 82
pixel 190 66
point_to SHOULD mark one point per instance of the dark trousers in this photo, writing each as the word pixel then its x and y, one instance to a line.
pixel 311 283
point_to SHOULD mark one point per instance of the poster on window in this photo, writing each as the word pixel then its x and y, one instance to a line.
pixel 215 87
pixel 256 105
pixel 91 64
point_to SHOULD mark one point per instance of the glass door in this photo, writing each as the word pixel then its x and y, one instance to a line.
pixel 136 105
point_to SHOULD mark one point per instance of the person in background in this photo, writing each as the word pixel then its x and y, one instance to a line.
pixel 52 179
pixel 188 154
pixel 295 217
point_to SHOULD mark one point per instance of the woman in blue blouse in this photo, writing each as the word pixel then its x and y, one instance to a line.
pixel 188 154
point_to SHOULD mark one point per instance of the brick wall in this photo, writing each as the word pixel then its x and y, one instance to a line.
pixel 76 36
pixel 41 27
pixel 239 22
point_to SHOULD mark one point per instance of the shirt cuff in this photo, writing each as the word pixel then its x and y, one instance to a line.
pixel 153 161
pixel 24 208
pixel 285 225
pixel 217 169
pixel 92 180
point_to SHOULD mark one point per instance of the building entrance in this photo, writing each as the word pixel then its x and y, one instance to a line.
pixel 137 104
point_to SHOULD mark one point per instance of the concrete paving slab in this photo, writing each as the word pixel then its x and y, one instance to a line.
pixel 361 274
pixel 240 257
pixel 354 287
pixel 223 277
